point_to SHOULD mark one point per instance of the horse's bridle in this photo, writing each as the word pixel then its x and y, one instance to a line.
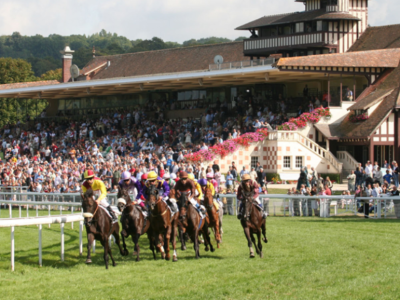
pixel 89 222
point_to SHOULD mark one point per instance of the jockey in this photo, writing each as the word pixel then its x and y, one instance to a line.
pixel 210 178
pixel 162 187
pixel 99 190
pixel 198 193
pixel 135 187
pixel 185 186
pixel 208 185
pixel 248 185
pixel 169 180
pixel 143 180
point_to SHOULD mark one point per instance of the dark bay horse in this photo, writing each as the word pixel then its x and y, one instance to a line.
pixel 132 222
pixel 191 222
pixel 163 226
pixel 253 223
pixel 99 227
pixel 213 215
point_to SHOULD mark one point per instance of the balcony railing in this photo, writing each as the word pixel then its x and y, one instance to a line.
pixel 286 41
pixel 243 64
pixel 332 8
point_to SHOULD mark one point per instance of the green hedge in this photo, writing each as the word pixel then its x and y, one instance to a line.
pixel 335 177
pixel 273 175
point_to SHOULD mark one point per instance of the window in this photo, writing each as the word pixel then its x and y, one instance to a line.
pixel 286 162
pixel 254 161
pixel 299 162
pixel 299 27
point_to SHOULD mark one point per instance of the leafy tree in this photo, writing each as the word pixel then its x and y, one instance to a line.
pixel 52 75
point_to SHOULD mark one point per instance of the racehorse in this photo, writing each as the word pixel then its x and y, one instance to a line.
pixel 253 223
pixel 162 224
pixel 213 215
pixel 99 227
pixel 132 222
pixel 191 222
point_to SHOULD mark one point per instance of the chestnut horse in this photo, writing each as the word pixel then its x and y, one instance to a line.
pixel 191 222
pixel 253 223
pixel 132 222
pixel 99 227
pixel 213 215
pixel 162 224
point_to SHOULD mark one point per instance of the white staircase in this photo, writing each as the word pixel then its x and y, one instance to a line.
pixel 349 163
pixel 312 146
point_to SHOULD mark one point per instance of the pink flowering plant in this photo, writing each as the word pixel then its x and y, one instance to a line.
pixel 303 119
pixel 358 118
pixel 228 146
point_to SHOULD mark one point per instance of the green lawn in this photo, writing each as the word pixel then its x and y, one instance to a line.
pixel 306 258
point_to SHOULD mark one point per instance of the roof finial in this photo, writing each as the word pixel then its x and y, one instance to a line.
pixel 94 52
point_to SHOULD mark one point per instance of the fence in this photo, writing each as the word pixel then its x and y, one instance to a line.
pixel 242 64
pixel 39 221
pixel 274 205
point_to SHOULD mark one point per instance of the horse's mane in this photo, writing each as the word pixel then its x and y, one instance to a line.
pixel 172 194
pixel 88 193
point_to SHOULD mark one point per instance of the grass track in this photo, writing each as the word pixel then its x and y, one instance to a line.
pixel 306 258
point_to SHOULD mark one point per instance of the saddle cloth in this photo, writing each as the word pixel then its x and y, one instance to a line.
pixel 114 208
pixel 169 207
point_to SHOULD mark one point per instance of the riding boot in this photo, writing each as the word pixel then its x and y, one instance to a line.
pixel 173 206
pixel 112 213
pixel 145 211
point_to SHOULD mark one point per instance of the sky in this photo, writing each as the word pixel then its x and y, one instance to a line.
pixel 171 20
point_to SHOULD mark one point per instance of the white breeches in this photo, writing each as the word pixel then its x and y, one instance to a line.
pixel 104 203
pixel 193 202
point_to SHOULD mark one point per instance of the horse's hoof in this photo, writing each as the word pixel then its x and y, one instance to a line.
pixel 88 261
pixel 134 253
pixel 218 245
pixel 265 240
pixel 126 253
pixel 114 264
pixel 201 241
pixel 183 248
pixel 252 255
pixel 174 259
pixel 137 259
pixel 261 255
pixel 163 256
pixel 206 249
pixel 167 257
pixel 212 249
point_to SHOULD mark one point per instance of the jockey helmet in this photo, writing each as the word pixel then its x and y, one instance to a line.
pixel 183 175
pixel 88 174
pixel 166 176
pixel 202 182
pixel 173 176
pixel 144 177
pixel 152 175
pixel 210 175
pixel 191 176
pixel 126 175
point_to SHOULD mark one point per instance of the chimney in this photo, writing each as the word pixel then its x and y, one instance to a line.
pixel 66 57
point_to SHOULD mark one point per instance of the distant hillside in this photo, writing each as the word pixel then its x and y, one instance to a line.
pixel 44 52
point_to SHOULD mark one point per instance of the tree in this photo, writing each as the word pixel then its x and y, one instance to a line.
pixel 14 71
pixel 52 75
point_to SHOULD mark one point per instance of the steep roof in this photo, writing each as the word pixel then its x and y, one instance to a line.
pixel 363 129
pixel 386 58
pixel 164 61
pixel 378 37
pixel 27 84
pixel 320 14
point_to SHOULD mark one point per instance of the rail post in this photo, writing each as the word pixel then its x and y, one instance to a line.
pixel 40 245
pixel 80 237
pixel 62 241
pixel 94 247
pixel 19 210
pixel 12 249
pixel 10 210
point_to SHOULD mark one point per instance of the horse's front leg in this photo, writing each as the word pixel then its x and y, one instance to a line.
pixel 104 243
pixel 90 237
pixel 166 243
pixel 118 241
pixel 195 238
pixel 135 239
pixel 174 229
pixel 264 232
pixel 126 252
pixel 207 237
pixel 249 244
pixel 259 243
